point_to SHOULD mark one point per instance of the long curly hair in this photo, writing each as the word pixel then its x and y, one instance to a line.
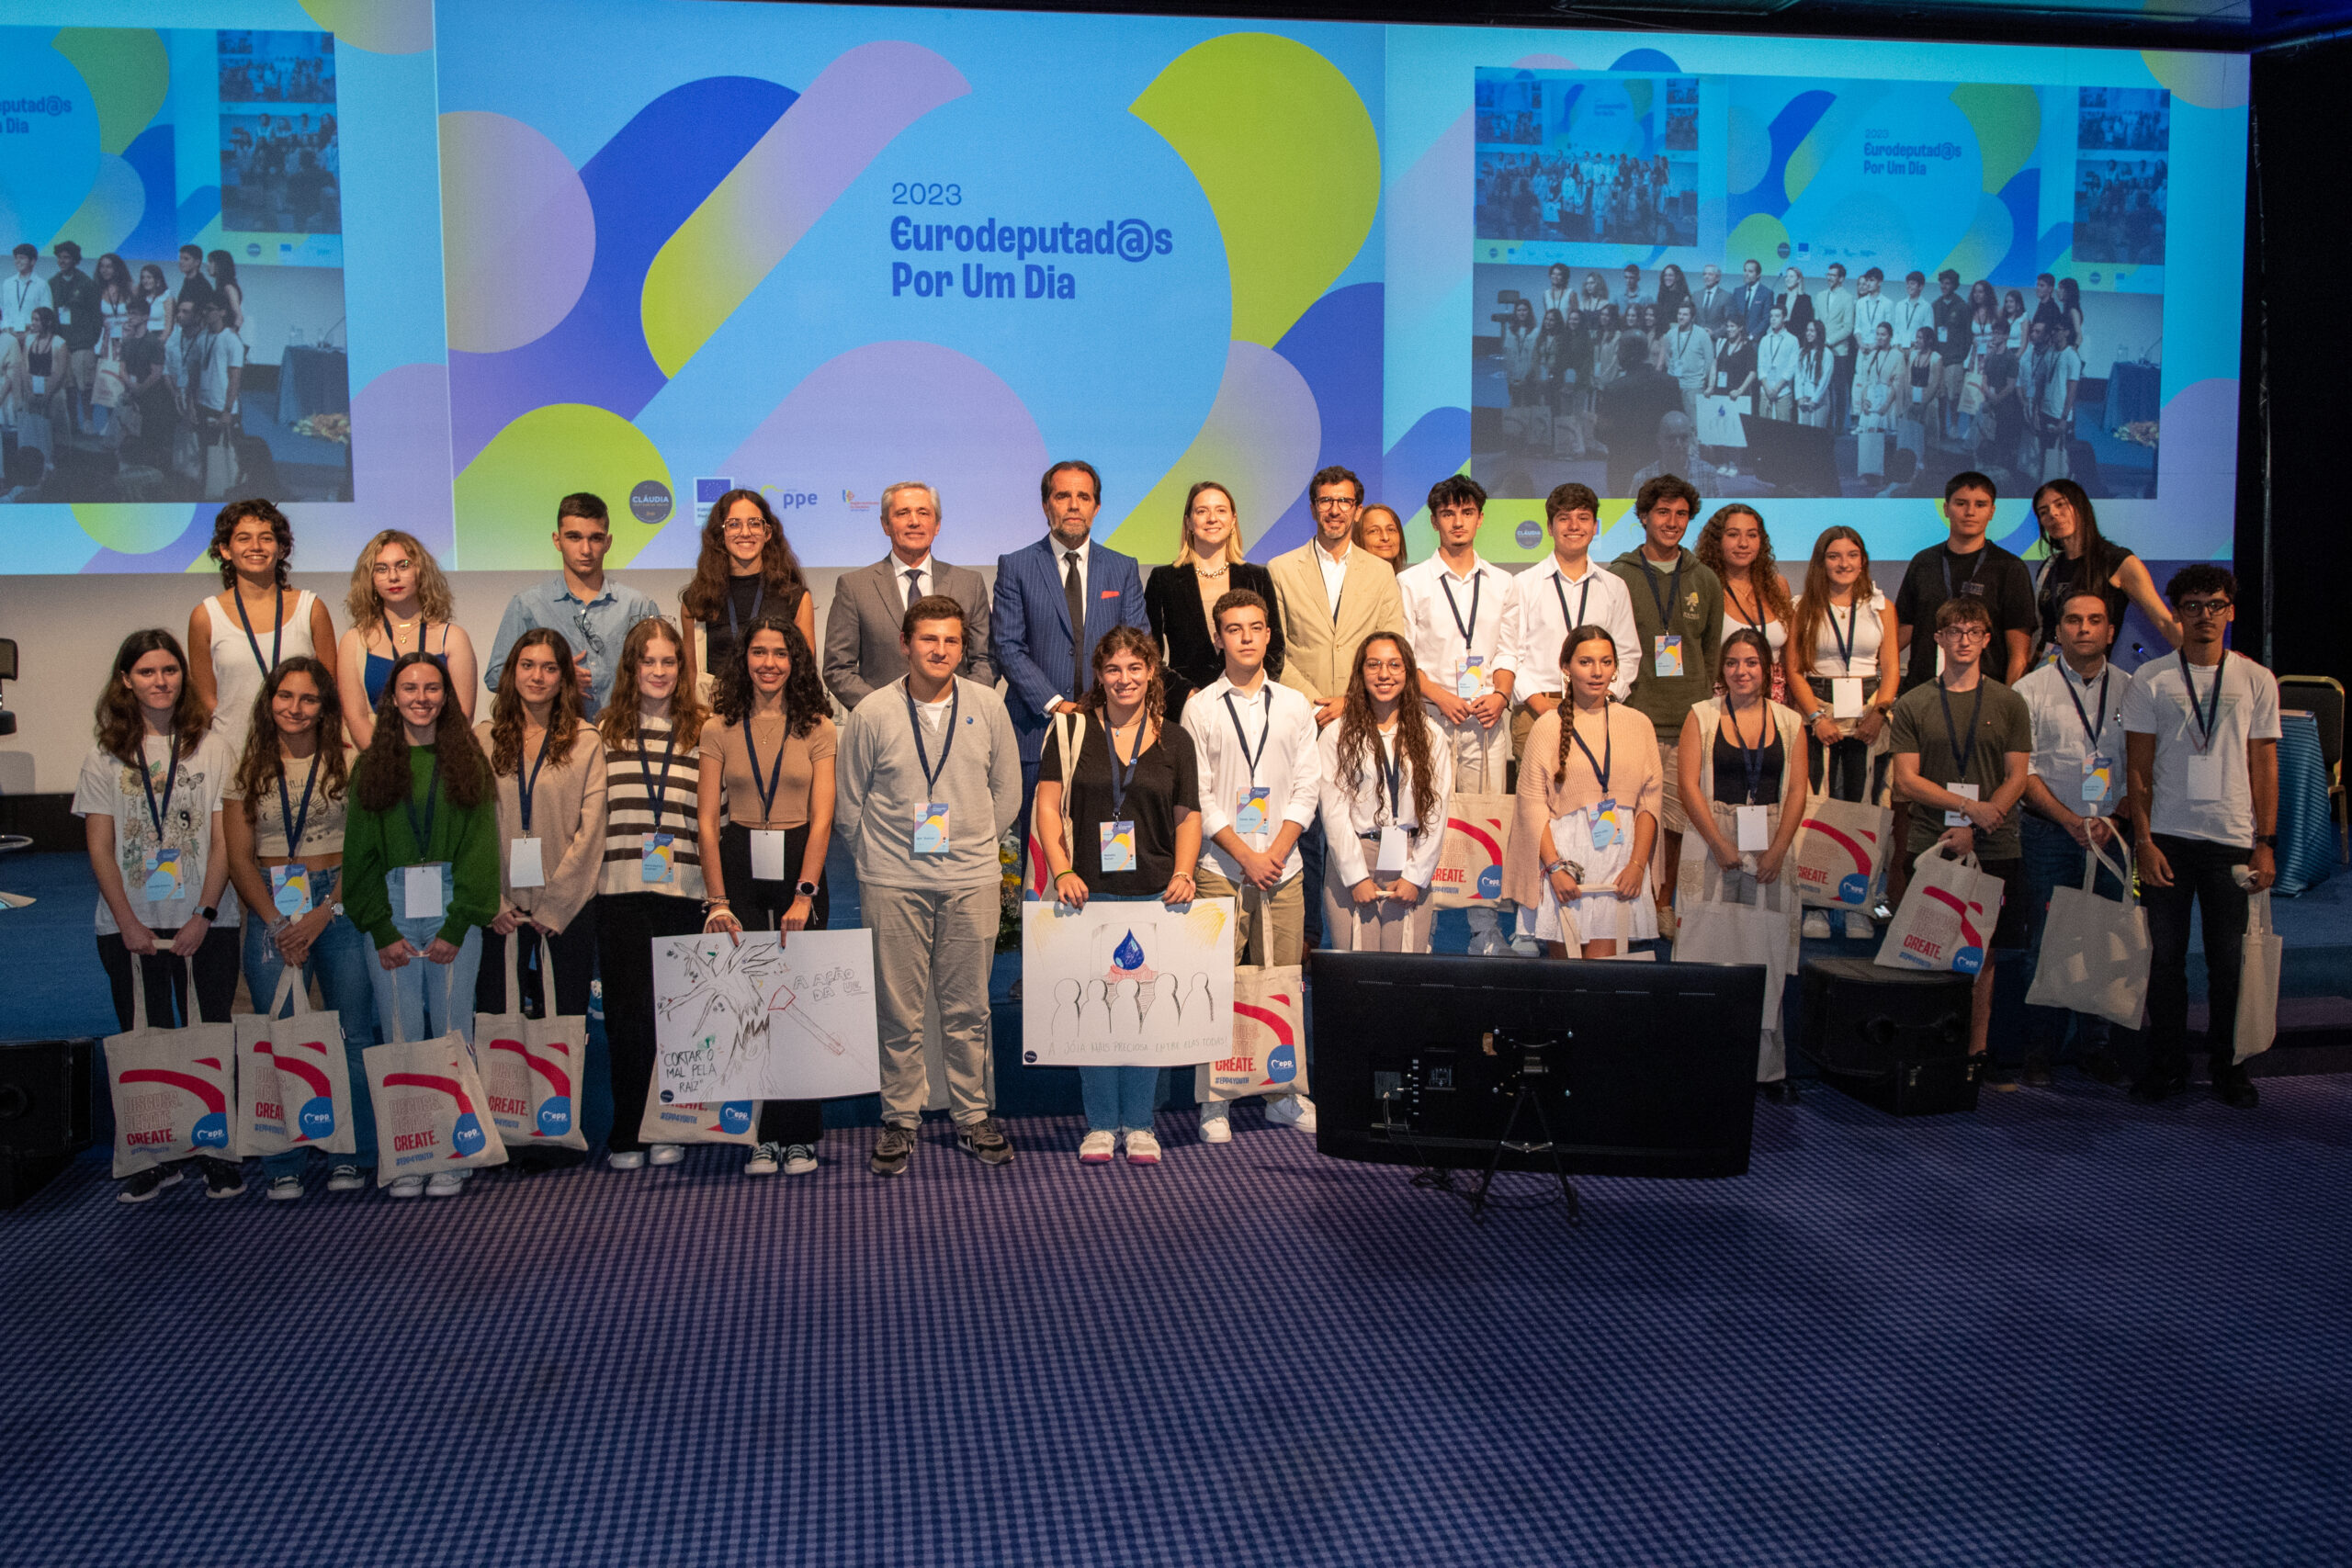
pixel 509 717
pixel 706 594
pixel 1126 640
pixel 1804 628
pixel 617 723
pixel 1359 730
pixel 1763 578
pixel 382 777
pixel 364 604
pixel 804 693
pixel 121 729
pixel 262 767
pixel 1567 708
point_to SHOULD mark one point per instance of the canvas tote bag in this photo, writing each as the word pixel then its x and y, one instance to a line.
pixel 173 1090
pixel 2094 951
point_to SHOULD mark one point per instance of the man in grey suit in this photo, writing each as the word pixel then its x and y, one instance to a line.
pixel 863 652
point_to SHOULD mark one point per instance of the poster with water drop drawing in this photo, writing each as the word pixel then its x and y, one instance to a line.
pixel 1126 985
pixel 766 1019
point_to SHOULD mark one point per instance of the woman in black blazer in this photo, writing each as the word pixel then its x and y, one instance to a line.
pixel 1208 565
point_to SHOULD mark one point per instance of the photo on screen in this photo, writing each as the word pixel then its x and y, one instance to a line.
pixel 281 173
pixel 1587 158
pixel 2120 209
pixel 2122 119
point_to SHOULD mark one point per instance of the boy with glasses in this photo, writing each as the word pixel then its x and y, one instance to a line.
pixel 593 615
pixel 2201 745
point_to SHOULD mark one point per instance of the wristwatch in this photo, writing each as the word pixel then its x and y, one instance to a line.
pixel 2265 840
pixel 211 913
pixel 805 889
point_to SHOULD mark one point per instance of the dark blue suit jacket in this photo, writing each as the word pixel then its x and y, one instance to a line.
pixel 1029 629
pixel 1758 302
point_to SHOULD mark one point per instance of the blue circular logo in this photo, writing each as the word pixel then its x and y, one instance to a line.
pixel 735 1117
pixel 211 1131
pixel 554 1116
pixel 317 1117
pixel 1490 882
pixel 1282 1064
pixel 468 1139
pixel 1853 888
pixel 1528 533
pixel 1968 961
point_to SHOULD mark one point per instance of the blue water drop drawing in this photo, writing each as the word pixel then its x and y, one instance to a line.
pixel 1128 954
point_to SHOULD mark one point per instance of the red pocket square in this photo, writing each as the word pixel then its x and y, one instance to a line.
pixel 1108 593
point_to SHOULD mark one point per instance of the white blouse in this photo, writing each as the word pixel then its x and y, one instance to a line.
pixel 1352 808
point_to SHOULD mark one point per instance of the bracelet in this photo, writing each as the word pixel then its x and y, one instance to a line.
pixel 710 904
pixel 1072 872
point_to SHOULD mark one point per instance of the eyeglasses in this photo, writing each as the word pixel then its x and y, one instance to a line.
pixel 1333 503
pixel 1964 634
pixel 594 641
pixel 2203 606
pixel 746 525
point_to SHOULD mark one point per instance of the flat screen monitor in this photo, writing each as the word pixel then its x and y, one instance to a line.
pixel 1649 1068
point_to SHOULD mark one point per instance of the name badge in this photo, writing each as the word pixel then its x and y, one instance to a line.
pixel 1249 817
pixel 656 858
pixel 41 385
pixel 767 854
pixel 420 892
pixel 1472 678
pixel 1118 846
pixel 2098 779
pixel 166 875
pixel 66 315
pixel 1844 696
pixel 525 866
pixel 1755 828
pixel 931 830
pixel 1666 660
pixel 2204 775
pixel 1390 861
pixel 1606 830
pixel 290 889
pixel 1918 394
pixel 1965 792
pixel 1944 334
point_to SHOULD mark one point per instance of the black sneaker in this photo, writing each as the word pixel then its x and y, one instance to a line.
pixel 2101 1066
pixel 2037 1072
pixel 892 1150
pixel 985 1141
pixel 1997 1076
pixel 2232 1087
pixel 222 1179
pixel 2159 1084
pixel 142 1185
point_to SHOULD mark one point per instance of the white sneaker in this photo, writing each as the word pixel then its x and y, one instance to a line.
pixel 1214 1130
pixel 1142 1149
pixel 1526 947
pixel 1096 1149
pixel 625 1159
pixel 1859 927
pixel 800 1159
pixel 1292 1110
pixel 1817 925
pixel 666 1153
pixel 763 1160
pixel 446 1184
pixel 346 1179
pixel 406 1187
pixel 284 1190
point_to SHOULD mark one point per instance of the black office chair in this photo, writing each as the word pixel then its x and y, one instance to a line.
pixel 10 841
pixel 2324 697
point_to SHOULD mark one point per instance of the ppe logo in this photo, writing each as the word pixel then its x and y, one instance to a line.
pixel 212 1129
pixel 467 1138
pixel 315 1119
pixel 735 1117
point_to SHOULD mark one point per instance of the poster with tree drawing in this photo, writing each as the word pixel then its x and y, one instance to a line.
pixel 767 1019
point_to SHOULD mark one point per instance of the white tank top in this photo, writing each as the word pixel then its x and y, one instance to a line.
pixel 238 672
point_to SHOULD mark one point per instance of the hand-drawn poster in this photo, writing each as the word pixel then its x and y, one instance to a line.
pixel 765 1019
pixel 1127 984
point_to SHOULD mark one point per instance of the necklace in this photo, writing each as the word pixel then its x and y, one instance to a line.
pixel 1223 566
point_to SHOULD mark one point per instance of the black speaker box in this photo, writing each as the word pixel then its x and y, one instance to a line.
pixel 1894 1038
pixel 44 1112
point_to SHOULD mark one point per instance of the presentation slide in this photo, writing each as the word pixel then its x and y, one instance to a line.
pixel 455 260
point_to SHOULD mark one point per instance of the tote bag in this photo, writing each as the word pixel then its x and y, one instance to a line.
pixel 173 1090
pixel 2094 951
pixel 1948 915
pixel 1717 930
pixel 1470 863
pixel 293 1079
pixel 1269 1054
pixel 431 1113
pixel 732 1121
pixel 530 1066
pixel 1838 851
pixel 1069 732
pixel 2258 981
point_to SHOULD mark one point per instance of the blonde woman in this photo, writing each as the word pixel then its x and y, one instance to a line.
pixel 399 603
pixel 1178 597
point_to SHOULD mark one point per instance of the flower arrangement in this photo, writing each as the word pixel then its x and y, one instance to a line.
pixel 335 427
pixel 2139 433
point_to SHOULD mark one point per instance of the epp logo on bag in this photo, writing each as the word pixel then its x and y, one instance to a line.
pixel 555 1111
pixel 735 1117
pixel 1281 1063
pixel 212 1129
pixel 465 1138
pixel 315 1118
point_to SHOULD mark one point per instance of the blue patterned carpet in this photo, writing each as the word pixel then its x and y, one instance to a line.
pixel 2064 1330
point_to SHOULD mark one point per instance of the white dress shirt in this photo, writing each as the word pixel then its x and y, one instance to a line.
pixel 1776 363
pixel 2062 746
pixel 1288 768
pixel 1599 598
pixel 922 585
pixel 1482 600
pixel 1869 311
pixel 1061 569
pixel 20 295
pixel 1353 807
pixel 1908 316
pixel 1335 574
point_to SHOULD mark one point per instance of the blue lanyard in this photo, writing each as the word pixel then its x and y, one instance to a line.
pixel 1120 776
pixel 1584 597
pixel 1649 574
pixel 922 753
pixel 759 596
pixel 525 784
pixel 1394 767
pixel 1845 643
pixel 277 638
pixel 2206 717
pixel 293 824
pixel 156 813
pixel 767 788
pixel 1477 584
pixel 422 830
pixel 1608 746
pixel 2092 726
pixel 1751 763
pixel 656 788
pixel 1963 761
pixel 1264 735
pixel 1978 566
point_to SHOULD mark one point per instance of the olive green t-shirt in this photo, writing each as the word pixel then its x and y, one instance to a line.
pixel 2002 725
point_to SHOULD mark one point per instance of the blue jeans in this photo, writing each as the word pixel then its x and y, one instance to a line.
pixel 423 1000
pixel 340 961
pixel 2053 860
pixel 1118 1098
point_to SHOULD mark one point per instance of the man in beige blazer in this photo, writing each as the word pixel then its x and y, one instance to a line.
pixel 1333 596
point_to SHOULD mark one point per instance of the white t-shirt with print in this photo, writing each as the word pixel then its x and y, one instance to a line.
pixel 109 787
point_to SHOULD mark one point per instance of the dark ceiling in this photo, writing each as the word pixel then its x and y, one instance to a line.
pixel 2244 25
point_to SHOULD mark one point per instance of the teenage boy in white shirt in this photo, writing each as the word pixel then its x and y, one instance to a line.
pixel 1262 780
pixel 1564 590
pixel 1463 620
pixel 2075 788
pixel 2201 743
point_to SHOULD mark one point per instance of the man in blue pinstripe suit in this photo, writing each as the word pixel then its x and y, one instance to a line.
pixel 1054 600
